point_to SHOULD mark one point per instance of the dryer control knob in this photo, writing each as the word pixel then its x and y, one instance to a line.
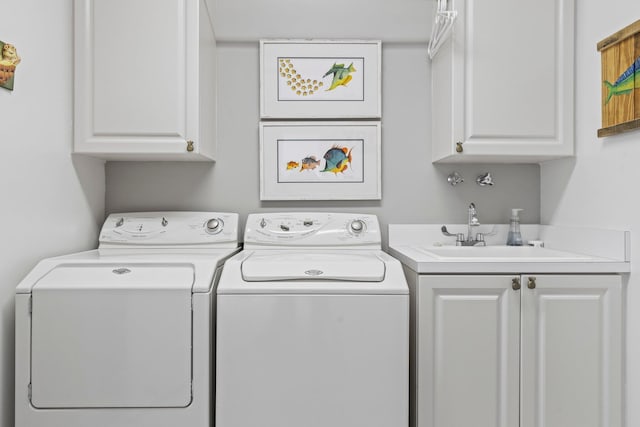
pixel 356 226
pixel 214 226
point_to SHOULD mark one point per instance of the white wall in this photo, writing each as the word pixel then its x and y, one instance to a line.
pixel 51 203
pixel 599 187
pixel 393 21
pixel 413 189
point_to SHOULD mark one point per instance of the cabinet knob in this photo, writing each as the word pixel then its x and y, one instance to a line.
pixel 515 283
pixel 189 146
pixel 459 148
pixel 531 283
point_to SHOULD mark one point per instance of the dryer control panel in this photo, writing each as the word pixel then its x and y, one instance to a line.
pixel 168 229
pixel 312 229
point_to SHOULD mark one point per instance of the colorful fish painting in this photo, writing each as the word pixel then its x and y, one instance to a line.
pixel 341 75
pixel 292 165
pixel 309 163
pixel 627 82
pixel 337 159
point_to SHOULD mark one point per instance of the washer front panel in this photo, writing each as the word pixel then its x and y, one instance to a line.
pixel 312 360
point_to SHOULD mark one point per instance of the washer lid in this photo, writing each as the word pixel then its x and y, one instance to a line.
pixel 352 267
pixel 116 276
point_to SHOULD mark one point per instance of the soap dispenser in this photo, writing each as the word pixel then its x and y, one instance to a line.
pixel 514 238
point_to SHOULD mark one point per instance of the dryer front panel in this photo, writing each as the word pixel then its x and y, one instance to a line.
pixel 110 336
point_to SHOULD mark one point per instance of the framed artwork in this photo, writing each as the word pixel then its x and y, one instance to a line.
pixel 620 65
pixel 320 79
pixel 320 161
pixel 9 59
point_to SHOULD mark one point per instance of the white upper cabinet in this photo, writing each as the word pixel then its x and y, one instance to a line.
pixel 145 80
pixel 502 85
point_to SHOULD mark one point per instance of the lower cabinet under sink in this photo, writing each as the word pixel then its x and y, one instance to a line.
pixel 516 350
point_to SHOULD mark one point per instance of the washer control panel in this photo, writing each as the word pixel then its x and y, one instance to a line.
pixel 169 229
pixel 312 229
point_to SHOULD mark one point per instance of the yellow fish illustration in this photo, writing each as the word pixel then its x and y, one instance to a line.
pixel 341 75
pixel 292 165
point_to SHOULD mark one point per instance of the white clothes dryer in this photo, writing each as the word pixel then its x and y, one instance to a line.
pixel 123 335
pixel 312 326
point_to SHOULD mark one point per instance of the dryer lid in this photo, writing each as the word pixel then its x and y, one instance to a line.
pixel 115 276
pixel 337 266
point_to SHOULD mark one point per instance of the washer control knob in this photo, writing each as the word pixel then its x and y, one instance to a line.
pixel 356 226
pixel 214 226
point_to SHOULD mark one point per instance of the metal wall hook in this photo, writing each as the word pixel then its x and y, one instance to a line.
pixel 454 178
pixel 485 179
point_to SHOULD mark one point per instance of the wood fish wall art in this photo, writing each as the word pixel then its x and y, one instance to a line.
pixel 620 57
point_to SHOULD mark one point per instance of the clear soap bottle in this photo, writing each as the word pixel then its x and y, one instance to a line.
pixel 514 238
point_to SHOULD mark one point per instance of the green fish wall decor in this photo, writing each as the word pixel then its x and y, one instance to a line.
pixel 627 82
pixel 341 75
pixel 620 68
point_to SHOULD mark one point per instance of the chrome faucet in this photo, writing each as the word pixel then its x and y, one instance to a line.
pixel 472 221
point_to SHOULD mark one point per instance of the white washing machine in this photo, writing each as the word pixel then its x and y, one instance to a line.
pixel 312 326
pixel 122 336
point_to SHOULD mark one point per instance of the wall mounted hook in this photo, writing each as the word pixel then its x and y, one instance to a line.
pixel 454 178
pixel 485 179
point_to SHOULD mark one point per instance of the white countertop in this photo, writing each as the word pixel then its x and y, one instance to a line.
pixel 575 250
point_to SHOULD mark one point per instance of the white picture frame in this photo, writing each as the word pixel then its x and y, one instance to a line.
pixel 329 79
pixel 320 160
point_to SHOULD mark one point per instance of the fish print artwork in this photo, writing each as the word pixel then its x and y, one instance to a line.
pixel 314 79
pixel 620 79
pixel 337 159
pixel 309 163
pixel 320 160
pixel 626 83
pixel 341 75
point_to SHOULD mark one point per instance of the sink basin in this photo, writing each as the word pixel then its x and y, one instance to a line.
pixel 501 254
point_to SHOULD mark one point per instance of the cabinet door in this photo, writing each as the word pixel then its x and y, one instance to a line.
pixel 503 85
pixel 571 343
pixel 136 77
pixel 468 351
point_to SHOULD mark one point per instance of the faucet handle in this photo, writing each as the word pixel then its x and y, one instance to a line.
pixel 480 236
pixel 493 231
pixel 446 232
pixel 459 236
